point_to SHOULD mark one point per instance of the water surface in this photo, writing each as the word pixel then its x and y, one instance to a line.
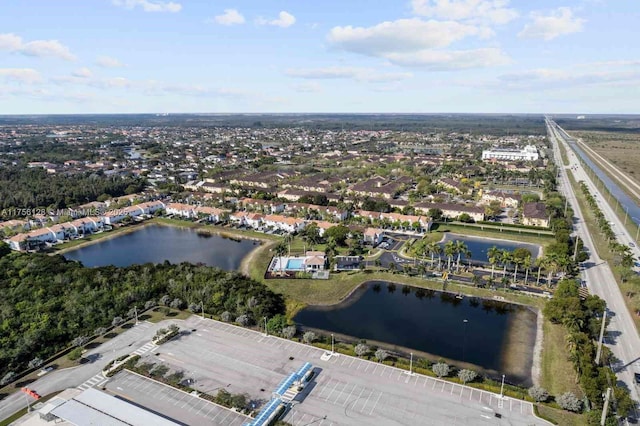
pixel 157 243
pixel 408 318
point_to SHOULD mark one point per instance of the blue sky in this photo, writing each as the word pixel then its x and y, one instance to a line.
pixel 108 56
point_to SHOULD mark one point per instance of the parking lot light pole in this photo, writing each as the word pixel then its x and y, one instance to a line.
pixel 502 388
pixel 332 344
pixel 411 364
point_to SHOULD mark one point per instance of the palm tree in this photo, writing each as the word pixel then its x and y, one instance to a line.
pixel 449 251
pixel 460 248
pixel 517 261
pixel 541 263
pixel 555 263
pixel 433 249
pixel 526 262
pixel 492 255
pixel 281 249
pixel 505 258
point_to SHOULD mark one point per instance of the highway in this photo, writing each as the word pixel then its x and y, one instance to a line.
pixel 627 202
pixel 622 335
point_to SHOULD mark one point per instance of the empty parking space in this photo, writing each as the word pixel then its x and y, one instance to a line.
pixel 346 390
pixel 170 402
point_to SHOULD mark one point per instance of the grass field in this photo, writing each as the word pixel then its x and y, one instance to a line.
pixel 488 232
pixel 557 374
pixel 561 417
pixel 619 148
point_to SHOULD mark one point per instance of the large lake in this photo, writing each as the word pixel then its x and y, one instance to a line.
pixel 478 246
pixel 157 243
pixel 498 337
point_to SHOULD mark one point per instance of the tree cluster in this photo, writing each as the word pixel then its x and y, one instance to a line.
pixel 582 317
pixel 29 188
pixel 48 301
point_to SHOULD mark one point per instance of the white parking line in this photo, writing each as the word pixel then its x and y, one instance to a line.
pixel 376 404
pixel 334 388
pixel 325 386
pixel 366 402
pixel 350 393
pixel 228 414
pixel 178 401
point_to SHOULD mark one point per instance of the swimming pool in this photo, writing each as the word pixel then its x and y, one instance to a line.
pixel 295 265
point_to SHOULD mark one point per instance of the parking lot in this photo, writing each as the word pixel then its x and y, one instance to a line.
pixel 169 402
pixel 346 390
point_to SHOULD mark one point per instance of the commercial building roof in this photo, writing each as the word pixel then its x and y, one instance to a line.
pixel 93 407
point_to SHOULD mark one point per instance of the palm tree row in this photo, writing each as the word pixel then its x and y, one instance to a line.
pixel 452 249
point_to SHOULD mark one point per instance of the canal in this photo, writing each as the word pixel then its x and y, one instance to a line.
pixel 496 338
pixel 157 243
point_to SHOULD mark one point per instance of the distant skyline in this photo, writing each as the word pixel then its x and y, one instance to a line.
pixel 413 56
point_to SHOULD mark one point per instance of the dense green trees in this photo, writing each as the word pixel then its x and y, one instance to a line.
pixel 48 301
pixel 582 318
pixel 26 188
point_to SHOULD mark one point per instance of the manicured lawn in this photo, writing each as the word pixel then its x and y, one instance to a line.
pixel 543 238
pixel 561 417
pixel 156 315
pixel 557 373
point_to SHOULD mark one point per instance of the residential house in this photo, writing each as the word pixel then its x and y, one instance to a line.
pixel 452 211
pixel 535 214
pixel 373 236
pixel 506 199
pixel 211 214
pixel 288 224
pixel 182 210
pixel 454 185
pixel 315 261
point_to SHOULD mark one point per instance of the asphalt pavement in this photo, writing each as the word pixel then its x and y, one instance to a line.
pixel 86 374
pixel 622 335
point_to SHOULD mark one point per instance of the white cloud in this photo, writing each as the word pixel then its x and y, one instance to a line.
pixel 21 75
pixel 403 35
pixel 594 74
pixel 418 43
pixel 149 5
pixel 354 73
pixel 308 87
pixel 490 11
pixel 559 22
pixel 83 72
pixel 111 83
pixel 39 48
pixel 441 60
pixel 108 62
pixel 284 20
pixel 229 17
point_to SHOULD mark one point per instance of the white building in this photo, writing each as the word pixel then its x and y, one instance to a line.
pixel 529 153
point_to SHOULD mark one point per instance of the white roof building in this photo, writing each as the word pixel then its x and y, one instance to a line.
pixel 529 153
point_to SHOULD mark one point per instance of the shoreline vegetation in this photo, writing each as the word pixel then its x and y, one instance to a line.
pixel 300 292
